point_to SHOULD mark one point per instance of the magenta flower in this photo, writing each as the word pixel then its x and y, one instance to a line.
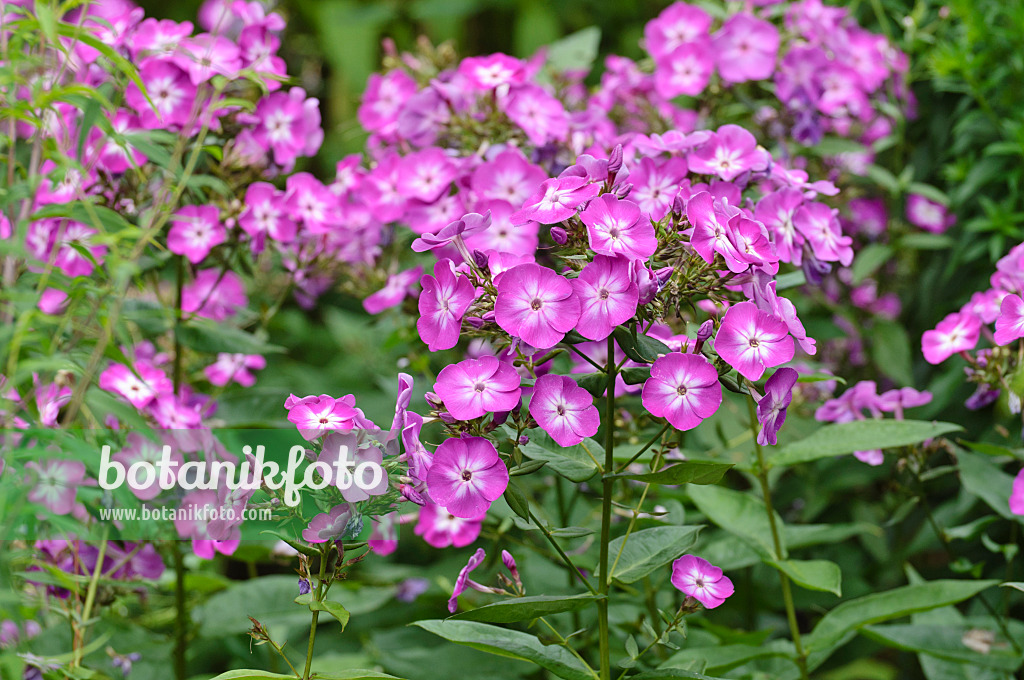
pixel 541 116
pixel 383 100
pixel 679 24
pixel 440 528
pixel 445 298
pixel 454 233
pixel 172 93
pixel 507 177
pixel 56 484
pixel 928 215
pixel 328 526
pixel 426 174
pixel 683 389
pixel 310 202
pixel 1010 323
pixel 266 215
pixel 729 153
pixel 315 416
pixel 504 237
pixel 745 49
pixel 536 305
pixel 236 367
pixel 607 296
pixel 564 410
pixel 288 124
pixel 1017 494
pixel 820 225
pixel 197 229
pixel 492 71
pixel 701 580
pixel 655 185
pixel 341 447
pixel 140 387
pixel 771 408
pixel 466 476
pixel 475 387
pixel 616 227
pixel 215 294
pixel 751 340
pixel 557 199
pixel 710 220
pixel 463 579
pixel 685 70
pixel 776 211
pixel 958 332
pixel 394 291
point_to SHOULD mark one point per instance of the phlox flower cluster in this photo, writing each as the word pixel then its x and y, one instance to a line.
pixel 987 332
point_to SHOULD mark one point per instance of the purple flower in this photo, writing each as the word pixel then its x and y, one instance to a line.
pixel 607 296
pixel 315 416
pixel 928 215
pixel 475 387
pixel 9 634
pixel 958 332
pixel 463 579
pixel 679 24
pixel 440 528
pixel 466 476
pixel 557 199
pixel 771 408
pixel 1017 494
pixel 751 340
pixel 536 305
pixel 235 367
pixel 683 389
pixel 685 70
pixel 616 227
pixel 540 115
pixel 745 48
pixel 426 174
pixel 394 291
pixel 1010 323
pixel 328 526
pixel 445 298
pixel 411 588
pixel 564 410
pixel 729 153
pixel 701 580
pixel 304 587
pixel 214 295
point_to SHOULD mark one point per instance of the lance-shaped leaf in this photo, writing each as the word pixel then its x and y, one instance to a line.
pixel 526 608
pixel 644 551
pixel 861 435
pixel 688 472
pixel 576 463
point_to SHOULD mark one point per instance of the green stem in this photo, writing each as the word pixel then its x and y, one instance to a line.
pixel 90 600
pixel 565 558
pixel 787 592
pixel 316 614
pixel 641 452
pixel 565 643
pixel 181 618
pixel 606 514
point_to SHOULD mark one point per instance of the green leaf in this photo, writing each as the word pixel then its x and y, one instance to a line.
pixel 526 608
pixel 644 551
pixel 354 674
pixel 509 643
pixel 517 500
pixel 942 642
pixel 741 514
pixel 986 481
pixel 723 658
pixel 595 383
pixel 670 674
pixel 527 468
pixel 330 606
pixel 890 350
pixel 861 435
pixel 250 675
pixel 573 462
pixel 576 51
pixel 843 621
pixel 813 574
pixel 923 241
pixel 204 335
pixel 639 347
pixel 1016 585
pixel 688 472
pixel 869 259
pixel 635 375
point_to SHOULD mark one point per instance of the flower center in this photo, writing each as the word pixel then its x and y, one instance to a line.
pixel 754 343
pixel 479 387
pixel 324 421
pixel 603 294
pixel 536 304
pixel 681 390
pixel 466 475
pixel 699 582
pixel 560 410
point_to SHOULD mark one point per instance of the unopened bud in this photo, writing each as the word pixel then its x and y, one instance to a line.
pixel 524 440
pixel 480 259
pixel 703 334
pixel 615 160
pixel 412 495
pixel 623 190
pixel 475 322
pixel 559 236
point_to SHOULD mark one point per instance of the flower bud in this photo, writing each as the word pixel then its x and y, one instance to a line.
pixel 480 259
pixel 304 586
pixel 433 399
pixel 615 160
pixel 524 440
pixel 475 322
pixel 678 205
pixel 622 190
pixel 412 495
pixel 703 334
pixel 558 235
pixel 814 269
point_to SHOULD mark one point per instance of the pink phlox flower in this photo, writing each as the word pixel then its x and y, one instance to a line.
pixel 396 289
pixel 701 580
pixel 683 389
pixel 196 231
pixel 475 387
pixel 607 296
pixel 564 410
pixel 536 305
pixel 466 476
pixel 751 340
